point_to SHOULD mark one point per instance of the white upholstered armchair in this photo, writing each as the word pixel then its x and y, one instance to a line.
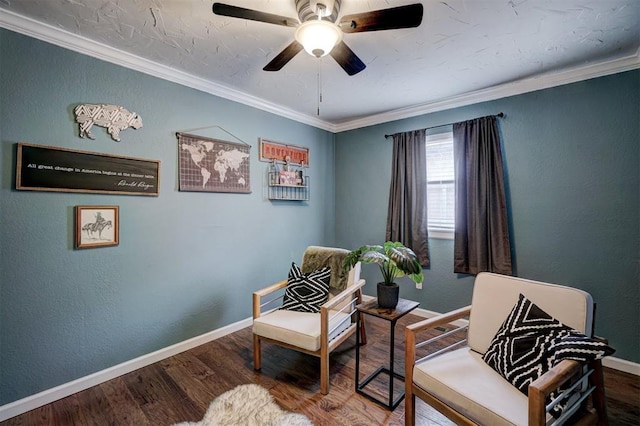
pixel 316 334
pixel 460 383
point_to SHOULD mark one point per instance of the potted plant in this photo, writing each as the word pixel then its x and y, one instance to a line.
pixel 395 261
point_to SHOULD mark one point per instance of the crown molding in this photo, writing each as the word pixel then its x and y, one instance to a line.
pixel 77 43
pixel 532 84
pixel 59 37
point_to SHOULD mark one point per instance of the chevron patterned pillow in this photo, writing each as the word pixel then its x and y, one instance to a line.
pixel 306 292
pixel 530 342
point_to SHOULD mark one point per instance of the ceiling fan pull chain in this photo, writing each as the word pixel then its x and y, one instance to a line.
pixel 320 78
pixel 319 74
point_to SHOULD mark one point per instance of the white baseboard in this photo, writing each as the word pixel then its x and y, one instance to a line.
pixel 50 395
pixel 622 365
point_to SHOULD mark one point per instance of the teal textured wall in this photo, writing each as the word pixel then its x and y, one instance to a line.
pixel 572 156
pixel 187 263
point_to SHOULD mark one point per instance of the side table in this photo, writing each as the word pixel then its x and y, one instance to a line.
pixel 391 315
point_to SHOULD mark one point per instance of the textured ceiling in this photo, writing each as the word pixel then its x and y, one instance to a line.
pixel 462 46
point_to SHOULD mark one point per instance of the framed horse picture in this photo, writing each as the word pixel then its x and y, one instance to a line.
pixel 97 226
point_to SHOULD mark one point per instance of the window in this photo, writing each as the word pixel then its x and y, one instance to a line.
pixel 440 185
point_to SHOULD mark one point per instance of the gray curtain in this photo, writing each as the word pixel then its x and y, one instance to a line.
pixel 407 216
pixel 482 231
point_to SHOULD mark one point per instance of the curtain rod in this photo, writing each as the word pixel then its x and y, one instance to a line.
pixel 500 114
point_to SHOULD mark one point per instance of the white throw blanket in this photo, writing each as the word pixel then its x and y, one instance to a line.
pixel 248 405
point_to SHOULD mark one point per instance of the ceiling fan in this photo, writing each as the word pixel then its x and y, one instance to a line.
pixel 319 32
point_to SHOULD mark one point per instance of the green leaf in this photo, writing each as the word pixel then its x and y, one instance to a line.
pixel 394 259
pixel 405 259
pixel 350 260
pixel 417 278
pixel 373 257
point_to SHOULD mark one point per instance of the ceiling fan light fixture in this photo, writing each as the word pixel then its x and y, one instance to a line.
pixel 318 37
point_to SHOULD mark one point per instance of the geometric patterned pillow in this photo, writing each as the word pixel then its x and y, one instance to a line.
pixel 306 292
pixel 530 342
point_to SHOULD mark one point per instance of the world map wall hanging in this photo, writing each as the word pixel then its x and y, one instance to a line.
pixel 213 165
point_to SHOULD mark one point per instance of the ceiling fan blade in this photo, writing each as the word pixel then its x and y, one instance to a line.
pixel 348 60
pixel 253 15
pixel 283 57
pixel 409 16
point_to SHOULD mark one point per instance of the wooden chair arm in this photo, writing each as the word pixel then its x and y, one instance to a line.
pixel 340 297
pixel 556 376
pixel 439 320
pixel 335 301
pixel 259 294
pixel 274 287
pixel 325 317
pixel 540 389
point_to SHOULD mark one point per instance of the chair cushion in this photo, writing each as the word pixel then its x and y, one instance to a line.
pixel 462 380
pixel 494 296
pixel 306 292
pixel 301 329
pixel 530 342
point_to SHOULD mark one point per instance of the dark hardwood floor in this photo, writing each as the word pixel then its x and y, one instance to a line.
pixel 181 388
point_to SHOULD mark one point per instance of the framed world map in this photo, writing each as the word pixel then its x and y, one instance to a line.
pixel 213 165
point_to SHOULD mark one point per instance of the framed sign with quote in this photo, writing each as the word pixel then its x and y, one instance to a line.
pixel 47 168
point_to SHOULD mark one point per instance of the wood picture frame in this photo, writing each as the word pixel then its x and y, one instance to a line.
pixel 48 168
pixel 97 226
pixel 213 165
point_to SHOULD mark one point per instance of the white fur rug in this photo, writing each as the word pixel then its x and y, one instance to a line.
pixel 248 405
